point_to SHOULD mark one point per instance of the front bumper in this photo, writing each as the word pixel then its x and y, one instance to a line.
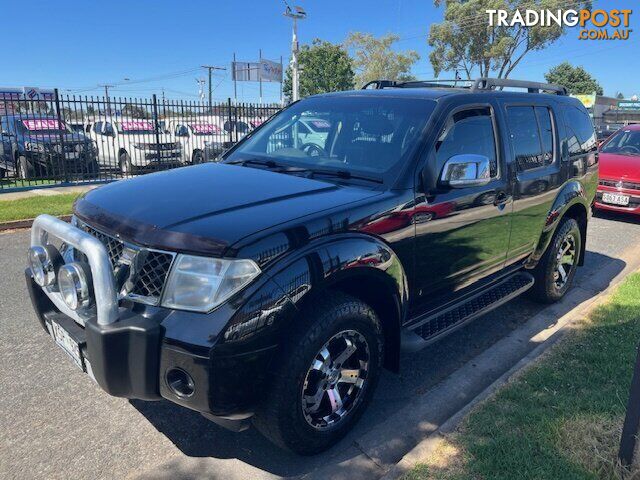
pixel 634 200
pixel 130 349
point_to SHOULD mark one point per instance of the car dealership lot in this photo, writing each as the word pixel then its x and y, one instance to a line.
pixel 55 423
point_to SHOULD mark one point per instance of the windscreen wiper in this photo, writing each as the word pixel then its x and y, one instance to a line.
pixel 346 174
pixel 254 161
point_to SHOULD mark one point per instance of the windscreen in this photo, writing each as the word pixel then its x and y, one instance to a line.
pixel 625 142
pixel 368 134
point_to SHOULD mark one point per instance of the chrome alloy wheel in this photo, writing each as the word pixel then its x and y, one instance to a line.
pixel 565 261
pixel 336 379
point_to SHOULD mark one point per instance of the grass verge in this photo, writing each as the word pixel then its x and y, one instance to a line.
pixel 31 207
pixel 559 419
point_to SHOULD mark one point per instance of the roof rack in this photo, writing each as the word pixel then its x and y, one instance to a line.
pixel 485 83
pixel 479 84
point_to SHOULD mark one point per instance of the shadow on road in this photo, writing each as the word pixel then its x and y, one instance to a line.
pixel 397 395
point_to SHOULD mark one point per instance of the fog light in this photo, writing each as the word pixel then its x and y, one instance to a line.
pixel 44 262
pixel 74 282
pixel 180 382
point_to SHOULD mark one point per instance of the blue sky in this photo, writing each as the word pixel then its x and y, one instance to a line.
pixel 75 45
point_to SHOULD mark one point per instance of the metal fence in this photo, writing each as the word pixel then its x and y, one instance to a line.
pixel 68 139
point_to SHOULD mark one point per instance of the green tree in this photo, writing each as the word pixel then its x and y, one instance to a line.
pixel 374 58
pixel 576 79
pixel 465 42
pixel 325 67
pixel 620 96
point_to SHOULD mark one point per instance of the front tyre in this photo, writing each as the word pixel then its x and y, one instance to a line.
pixel 554 274
pixel 327 374
pixel 126 168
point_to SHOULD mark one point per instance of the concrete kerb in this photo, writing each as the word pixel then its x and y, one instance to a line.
pixel 585 298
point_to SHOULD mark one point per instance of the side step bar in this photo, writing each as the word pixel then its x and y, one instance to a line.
pixel 439 324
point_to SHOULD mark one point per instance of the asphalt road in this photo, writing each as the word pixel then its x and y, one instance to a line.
pixel 56 423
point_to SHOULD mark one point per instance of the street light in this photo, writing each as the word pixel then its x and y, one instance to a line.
pixel 297 13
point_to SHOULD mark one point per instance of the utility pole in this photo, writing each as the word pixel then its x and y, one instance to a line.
pixel 211 68
pixel 297 13
pixel 107 86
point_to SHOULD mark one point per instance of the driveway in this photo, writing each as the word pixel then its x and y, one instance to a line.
pixel 56 423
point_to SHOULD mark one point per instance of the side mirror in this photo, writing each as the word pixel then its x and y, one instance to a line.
pixel 466 170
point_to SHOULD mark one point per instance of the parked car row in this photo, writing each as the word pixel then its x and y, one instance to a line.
pixel 42 146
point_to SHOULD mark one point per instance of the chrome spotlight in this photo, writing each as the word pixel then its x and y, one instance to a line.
pixel 74 282
pixel 44 262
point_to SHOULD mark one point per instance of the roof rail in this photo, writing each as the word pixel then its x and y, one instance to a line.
pixel 379 84
pixel 437 83
pixel 485 83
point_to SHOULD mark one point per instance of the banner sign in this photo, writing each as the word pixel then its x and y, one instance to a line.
pixel 628 105
pixel 587 100
pixel 264 70
pixel 137 125
pixel 41 124
pixel 26 93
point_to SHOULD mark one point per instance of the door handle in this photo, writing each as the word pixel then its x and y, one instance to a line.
pixel 502 198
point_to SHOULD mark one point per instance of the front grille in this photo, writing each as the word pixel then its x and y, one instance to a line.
pixel 151 276
pixel 614 183
pixel 114 246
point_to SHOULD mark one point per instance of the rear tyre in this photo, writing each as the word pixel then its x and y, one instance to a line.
pixel 327 373
pixel 93 169
pixel 557 267
pixel 24 168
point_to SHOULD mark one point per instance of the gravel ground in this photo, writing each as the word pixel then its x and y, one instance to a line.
pixel 56 423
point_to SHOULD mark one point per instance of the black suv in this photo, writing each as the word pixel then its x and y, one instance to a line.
pixel 43 146
pixel 278 283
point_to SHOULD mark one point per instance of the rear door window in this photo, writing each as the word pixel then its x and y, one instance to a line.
pixel 532 136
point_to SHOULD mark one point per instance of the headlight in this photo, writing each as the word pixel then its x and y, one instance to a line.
pixel 44 262
pixel 74 282
pixel 201 283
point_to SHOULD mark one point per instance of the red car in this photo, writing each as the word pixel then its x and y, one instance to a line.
pixel 619 186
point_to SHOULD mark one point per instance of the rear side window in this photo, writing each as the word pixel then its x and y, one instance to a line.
pixel 468 131
pixel 531 136
pixel 581 136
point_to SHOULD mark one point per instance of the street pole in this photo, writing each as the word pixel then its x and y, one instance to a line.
pixel 260 73
pixel 235 80
pixel 297 13
pixel 211 68
pixel 631 427
pixel 281 79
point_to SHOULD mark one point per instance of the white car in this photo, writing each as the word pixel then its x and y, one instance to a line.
pixel 132 145
pixel 201 138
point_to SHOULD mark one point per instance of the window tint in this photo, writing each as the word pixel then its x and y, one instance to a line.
pixel 97 127
pixel 543 115
pixel 469 131
pixel 108 129
pixel 581 136
pixel 531 136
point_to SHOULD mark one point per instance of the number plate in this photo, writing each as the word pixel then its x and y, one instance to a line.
pixel 68 344
pixel 615 199
pixel 71 156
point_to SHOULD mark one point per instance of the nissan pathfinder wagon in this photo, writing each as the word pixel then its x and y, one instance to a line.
pixel 271 288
